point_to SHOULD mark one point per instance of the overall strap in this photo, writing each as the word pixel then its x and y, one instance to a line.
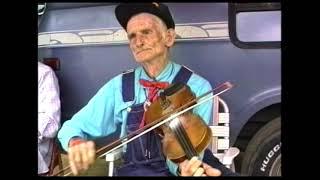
pixel 128 85
pixel 183 75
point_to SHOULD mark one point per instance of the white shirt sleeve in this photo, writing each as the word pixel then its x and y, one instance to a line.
pixel 49 111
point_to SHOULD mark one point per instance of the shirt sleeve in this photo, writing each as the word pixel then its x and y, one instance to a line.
pixel 48 105
pixel 204 110
pixel 93 120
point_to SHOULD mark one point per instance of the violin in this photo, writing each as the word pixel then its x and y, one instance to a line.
pixel 185 136
pixel 183 133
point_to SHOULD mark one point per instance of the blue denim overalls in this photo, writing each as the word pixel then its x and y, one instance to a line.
pixel 144 155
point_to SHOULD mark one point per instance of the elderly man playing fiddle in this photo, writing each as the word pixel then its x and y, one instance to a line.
pixel 151 33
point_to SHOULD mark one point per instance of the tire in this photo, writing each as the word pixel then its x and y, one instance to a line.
pixel 263 153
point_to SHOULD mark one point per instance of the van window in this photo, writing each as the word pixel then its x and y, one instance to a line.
pixel 258 26
pixel 255 25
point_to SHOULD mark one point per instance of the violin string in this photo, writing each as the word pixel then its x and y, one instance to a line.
pixel 188 144
pixel 178 130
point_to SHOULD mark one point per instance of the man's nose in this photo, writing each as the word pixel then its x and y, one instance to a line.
pixel 139 41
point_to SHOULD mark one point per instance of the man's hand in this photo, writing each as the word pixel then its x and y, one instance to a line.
pixel 81 155
pixel 192 168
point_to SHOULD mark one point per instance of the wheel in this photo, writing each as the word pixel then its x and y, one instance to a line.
pixel 263 153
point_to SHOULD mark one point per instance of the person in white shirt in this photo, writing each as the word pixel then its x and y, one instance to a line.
pixel 49 113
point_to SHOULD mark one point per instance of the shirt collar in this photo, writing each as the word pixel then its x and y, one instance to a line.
pixel 163 76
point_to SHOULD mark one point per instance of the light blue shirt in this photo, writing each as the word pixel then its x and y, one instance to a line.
pixel 106 109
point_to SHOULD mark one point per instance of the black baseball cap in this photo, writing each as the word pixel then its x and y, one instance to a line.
pixel 125 11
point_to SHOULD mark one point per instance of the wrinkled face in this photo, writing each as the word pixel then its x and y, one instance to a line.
pixel 147 37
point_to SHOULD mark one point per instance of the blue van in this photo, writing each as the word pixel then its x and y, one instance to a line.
pixel 222 42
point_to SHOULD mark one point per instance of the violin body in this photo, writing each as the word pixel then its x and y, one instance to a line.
pixel 199 134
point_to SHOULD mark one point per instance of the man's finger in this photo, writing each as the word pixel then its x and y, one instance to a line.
pixel 77 159
pixel 194 165
pixel 91 152
pixel 75 156
pixel 71 161
pixel 199 172
pixel 84 157
pixel 73 167
pixel 210 171
pixel 72 164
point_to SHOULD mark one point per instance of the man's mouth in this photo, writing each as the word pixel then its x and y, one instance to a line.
pixel 142 51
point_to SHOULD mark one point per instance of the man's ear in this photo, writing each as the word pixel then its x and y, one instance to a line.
pixel 170 38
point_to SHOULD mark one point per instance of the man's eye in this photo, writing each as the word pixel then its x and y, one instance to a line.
pixel 146 32
pixel 131 36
